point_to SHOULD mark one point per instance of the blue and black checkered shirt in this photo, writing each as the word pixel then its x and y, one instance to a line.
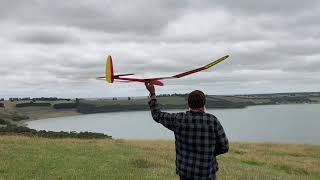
pixel 199 139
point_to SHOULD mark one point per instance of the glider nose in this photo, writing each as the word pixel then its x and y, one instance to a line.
pixel 157 82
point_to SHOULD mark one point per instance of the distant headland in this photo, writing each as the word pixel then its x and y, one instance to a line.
pixel 26 109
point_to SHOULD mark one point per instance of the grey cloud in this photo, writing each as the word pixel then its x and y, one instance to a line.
pixel 55 47
pixel 107 16
pixel 46 37
pixel 269 7
pixel 305 64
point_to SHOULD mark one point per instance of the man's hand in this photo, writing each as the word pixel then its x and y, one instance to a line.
pixel 150 88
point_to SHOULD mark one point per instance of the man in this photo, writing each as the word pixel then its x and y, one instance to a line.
pixel 199 136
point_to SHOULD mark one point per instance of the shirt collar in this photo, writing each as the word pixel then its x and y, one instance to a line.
pixel 195 112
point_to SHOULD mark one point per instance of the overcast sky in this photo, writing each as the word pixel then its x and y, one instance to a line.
pixel 52 48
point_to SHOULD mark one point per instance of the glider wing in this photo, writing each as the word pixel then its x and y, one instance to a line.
pixel 194 70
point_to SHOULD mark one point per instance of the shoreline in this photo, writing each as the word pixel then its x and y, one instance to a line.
pixel 39 119
pixel 75 113
pixel 25 110
pixel 63 124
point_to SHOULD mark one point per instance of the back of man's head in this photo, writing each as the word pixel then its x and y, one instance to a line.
pixel 196 99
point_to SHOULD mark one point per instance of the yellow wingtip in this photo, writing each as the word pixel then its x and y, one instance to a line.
pixel 217 61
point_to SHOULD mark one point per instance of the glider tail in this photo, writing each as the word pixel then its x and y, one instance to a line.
pixel 109 70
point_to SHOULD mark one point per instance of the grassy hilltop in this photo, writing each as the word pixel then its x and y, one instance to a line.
pixel 41 158
pixel 11 112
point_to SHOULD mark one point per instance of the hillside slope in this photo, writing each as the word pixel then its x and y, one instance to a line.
pixel 41 158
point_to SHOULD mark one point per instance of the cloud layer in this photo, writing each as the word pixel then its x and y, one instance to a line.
pixel 52 48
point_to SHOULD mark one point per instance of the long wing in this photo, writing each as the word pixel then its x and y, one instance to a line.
pixel 192 71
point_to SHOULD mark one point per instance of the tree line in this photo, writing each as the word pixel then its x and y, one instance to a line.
pixel 3 122
pixel 55 106
pixel 39 99
pixel 22 130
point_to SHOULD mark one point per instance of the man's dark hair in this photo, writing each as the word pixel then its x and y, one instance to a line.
pixel 196 99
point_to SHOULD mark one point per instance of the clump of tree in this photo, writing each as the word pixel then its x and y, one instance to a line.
pixel 164 95
pixel 32 104
pixel 45 99
pixel 39 99
pixel 25 99
pixel 15 116
pixel 220 103
pixel 13 99
pixel 290 99
pixel 65 106
pixel 21 130
pixel 2 99
pixel 175 94
pixel 3 122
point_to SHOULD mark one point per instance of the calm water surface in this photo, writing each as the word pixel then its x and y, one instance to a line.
pixel 273 123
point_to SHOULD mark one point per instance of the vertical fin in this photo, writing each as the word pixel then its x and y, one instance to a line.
pixel 109 70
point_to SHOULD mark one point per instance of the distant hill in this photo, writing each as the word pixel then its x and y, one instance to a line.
pixel 179 101
pixel 39 108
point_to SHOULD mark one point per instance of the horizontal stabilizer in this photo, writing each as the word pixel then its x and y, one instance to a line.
pixel 118 75
pixel 115 76
pixel 100 77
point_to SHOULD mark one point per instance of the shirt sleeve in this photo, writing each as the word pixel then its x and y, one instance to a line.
pixel 168 120
pixel 222 143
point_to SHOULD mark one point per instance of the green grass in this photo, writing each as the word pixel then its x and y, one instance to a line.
pixel 39 158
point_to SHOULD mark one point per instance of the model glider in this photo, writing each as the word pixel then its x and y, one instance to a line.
pixel 111 77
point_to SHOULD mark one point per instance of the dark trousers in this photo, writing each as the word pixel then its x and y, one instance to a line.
pixel 185 178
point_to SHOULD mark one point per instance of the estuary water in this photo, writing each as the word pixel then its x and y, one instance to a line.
pixel 296 123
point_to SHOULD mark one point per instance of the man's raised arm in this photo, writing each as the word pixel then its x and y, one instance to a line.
pixel 166 119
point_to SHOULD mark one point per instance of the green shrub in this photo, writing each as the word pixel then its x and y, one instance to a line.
pixel 21 130
pixel 31 104
pixel 3 121
pixel 65 106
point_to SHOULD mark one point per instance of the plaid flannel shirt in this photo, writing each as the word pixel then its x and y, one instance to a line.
pixel 199 139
